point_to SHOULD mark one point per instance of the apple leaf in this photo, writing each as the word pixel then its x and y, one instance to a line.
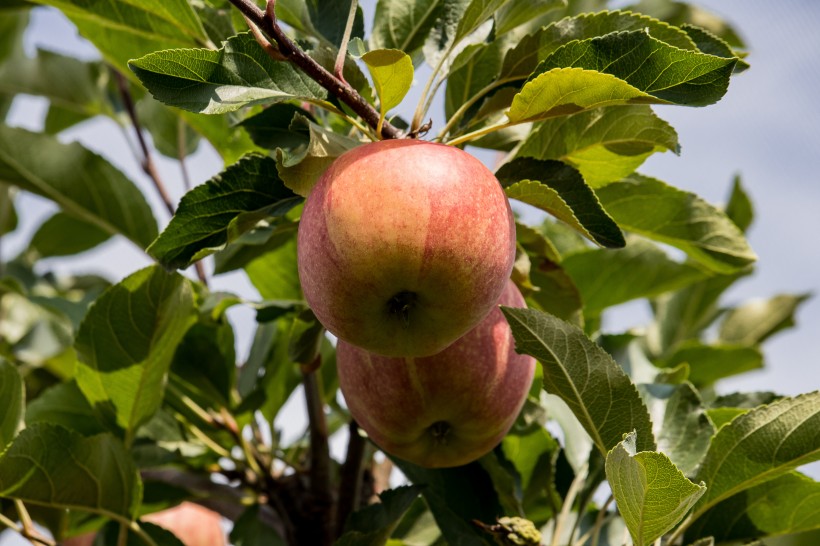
pixel 392 73
pixel 373 525
pixel 760 445
pixel 250 530
pixel 441 36
pixel 214 82
pixel 64 235
pixel 127 29
pixel 708 363
pixel 110 534
pixel 128 338
pixel 788 504
pixel 518 12
pixel 680 423
pixel 740 208
pixel 82 183
pixel 521 61
pixel 404 24
pixel 476 13
pixel 713 45
pixel 560 190
pixel 651 493
pixel 457 496
pixel 8 214
pixel 52 466
pixel 271 128
pixel 171 135
pixel 666 214
pixel 605 144
pixel 13 394
pixel 607 277
pixel 64 404
pixel 613 69
pixel 756 321
pixel 217 212
pixel 594 386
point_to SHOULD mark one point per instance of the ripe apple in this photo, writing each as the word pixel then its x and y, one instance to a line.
pixel 193 524
pixel 405 245
pixel 442 410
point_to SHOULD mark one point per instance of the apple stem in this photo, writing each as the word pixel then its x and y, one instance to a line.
pixel 266 22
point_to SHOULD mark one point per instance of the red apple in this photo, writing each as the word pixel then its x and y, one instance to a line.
pixel 442 410
pixel 193 524
pixel 404 246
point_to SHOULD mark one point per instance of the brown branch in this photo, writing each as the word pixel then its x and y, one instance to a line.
pixel 147 163
pixel 350 481
pixel 319 452
pixel 266 21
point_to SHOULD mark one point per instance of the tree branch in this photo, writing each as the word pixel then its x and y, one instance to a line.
pixel 350 482
pixel 266 21
pixel 319 450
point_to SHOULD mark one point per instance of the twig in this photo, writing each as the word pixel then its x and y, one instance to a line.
pixel 266 21
pixel 181 154
pixel 339 68
pixel 26 530
pixel 147 163
pixel 319 450
pixel 350 482
pixel 566 509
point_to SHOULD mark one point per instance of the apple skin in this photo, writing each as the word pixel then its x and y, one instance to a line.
pixel 404 246
pixel 471 392
pixel 192 524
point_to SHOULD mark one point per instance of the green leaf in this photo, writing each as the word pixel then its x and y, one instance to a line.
pixel 13 395
pixel 756 321
pixel 306 335
pixel 301 169
pixel 518 12
pixel 64 235
pixel 250 530
pixel 12 26
pixel 607 277
pixel 442 34
pixel 171 135
pixel 392 73
pixel 230 141
pixel 373 525
pixel 217 212
pixel 110 534
pixel 127 341
pixel 680 423
pixel 788 504
pixel 681 14
pixel 404 24
pixel 127 29
pixel 329 18
pixel 214 82
pixel 82 183
pixel 740 208
pixel 53 466
pixel 596 389
pixel 605 144
pixel 457 496
pixel 476 13
pixel 8 214
pixel 274 274
pixel 651 493
pixel 560 190
pixel 759 446
pixel 713 45
pixel 679 218
pixel 271 128
pixel 64 404
pixel 708 363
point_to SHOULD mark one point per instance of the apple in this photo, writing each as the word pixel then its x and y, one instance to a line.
pixel 193 524
pixel 442 410
pixel 405 245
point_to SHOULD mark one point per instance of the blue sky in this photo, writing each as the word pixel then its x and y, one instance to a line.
pixel 765 129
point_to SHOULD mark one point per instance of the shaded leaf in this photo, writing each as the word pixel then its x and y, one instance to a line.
pixel 64 235
pixel 214 82
pixel 128 338
pixel 271 128
pixel 476 13
pixel 652 494
pixel 518 12
pixel 759 446
pixel 560 190
pixel 605 144
pixel 373 525
pixel 8 214
pixel 250 530
pixel 740 208
pixel 679 218
pixel 274 274
pixel 788 504
pixel 713 45
pixel 403 24
pixel 64 404
pixel 329 18
pixel 756 321
pixel 171 135
pixel 53 466
pixel 607 277
pixel 708 363
pixel 596 389
pixel 217 212
pixel 13 395
pixel 82 183
pixel 441 37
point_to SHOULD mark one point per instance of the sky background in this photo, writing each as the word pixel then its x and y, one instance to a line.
pixel 765 129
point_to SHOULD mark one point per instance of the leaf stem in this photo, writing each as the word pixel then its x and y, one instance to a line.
pixel 340 57
pixel 468 104
pixel 266 21
pixel 481 132
pixel 569 500
pixel 424 103
pixel 26 529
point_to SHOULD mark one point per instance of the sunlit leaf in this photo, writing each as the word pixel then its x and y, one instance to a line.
pixel 392 73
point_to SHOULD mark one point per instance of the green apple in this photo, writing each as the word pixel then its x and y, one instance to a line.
pixel 404 246
pixel 442 410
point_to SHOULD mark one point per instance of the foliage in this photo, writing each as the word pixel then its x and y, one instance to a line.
pixel 121 397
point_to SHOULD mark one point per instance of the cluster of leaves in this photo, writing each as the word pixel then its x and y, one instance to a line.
pixel 123 399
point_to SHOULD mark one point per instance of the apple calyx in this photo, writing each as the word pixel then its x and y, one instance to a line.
pixel 401 305
pixel 439 431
